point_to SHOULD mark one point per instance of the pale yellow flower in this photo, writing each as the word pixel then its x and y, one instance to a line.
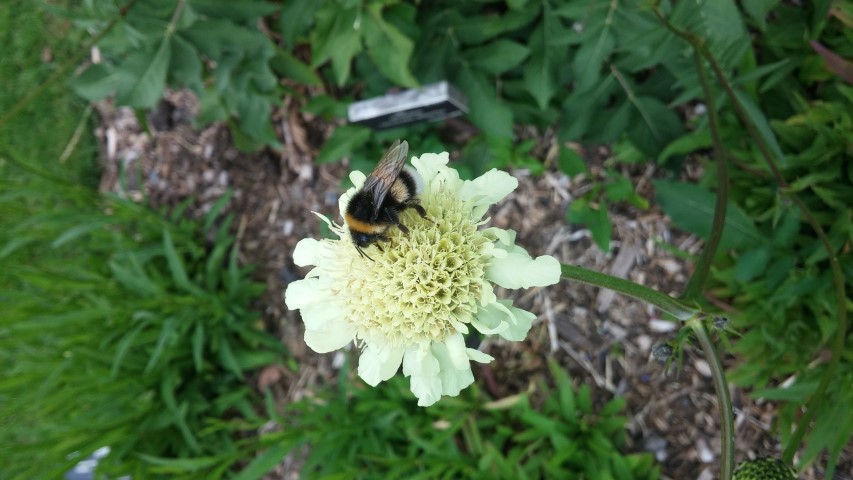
pixel 415 302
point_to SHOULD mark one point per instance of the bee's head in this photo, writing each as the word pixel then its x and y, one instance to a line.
pixel 363 240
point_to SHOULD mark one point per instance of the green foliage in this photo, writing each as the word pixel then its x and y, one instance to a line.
pixel 47 126
pixel 127 329
pixel 595 72
pixel 357 432
pixel 776 274
pixel 590 209
pixel 212 47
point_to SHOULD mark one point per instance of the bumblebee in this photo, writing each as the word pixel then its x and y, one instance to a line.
pixel 387 192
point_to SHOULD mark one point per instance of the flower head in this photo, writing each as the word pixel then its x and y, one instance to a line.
pixel 413 304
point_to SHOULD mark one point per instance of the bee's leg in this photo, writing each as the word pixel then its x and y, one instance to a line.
pixel 403 228
pixel 418 208
pixel 421 211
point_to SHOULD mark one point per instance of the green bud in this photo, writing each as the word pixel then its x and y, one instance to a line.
pixel 764 469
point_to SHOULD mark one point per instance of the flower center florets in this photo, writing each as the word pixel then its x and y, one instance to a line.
pixel 421 286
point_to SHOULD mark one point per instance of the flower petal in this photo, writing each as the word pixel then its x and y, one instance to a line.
pixel 455 373
pixel 478 356
pixel 379 363
pixel 429 164
pixel 422 367
pixel 319 316
pixel 519 270
pixel 492 319
pixel 486 190
pixel 520 323
pixel 336 336
pixel 344 200
pixel 306 252
pixel 456 350
pixel 303 293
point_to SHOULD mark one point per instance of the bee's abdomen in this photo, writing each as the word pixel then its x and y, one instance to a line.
pixel 360 212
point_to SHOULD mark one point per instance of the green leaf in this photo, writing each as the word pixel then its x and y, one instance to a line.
pixel 180 464
pixel 242 11
pixel 296 16
pixel 570 162
pixel 185 67
pixel 757 118
pixel 539 79
pixel 656 127
pixel 589 60
pixel 288 66
pixel 389 48
pixel 797 392
pixel 198 347
pixel 263 463
pixel 751 264
pixel 95 83
pixel 618 188
pixel 167 334
pixel 476 29
pixel 692 209
pixel 498 56
pixel 689 142
pixel 343 142
pixel 487 111
pixel 226 356
pixel 176 264
pixel 142 76
pixel 335 38
pixel 601 227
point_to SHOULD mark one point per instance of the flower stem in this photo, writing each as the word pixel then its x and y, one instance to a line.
pixel 727 421
pixel 814 403
pixel 678 308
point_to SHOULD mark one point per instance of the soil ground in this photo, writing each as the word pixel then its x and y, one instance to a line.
pixel 602 339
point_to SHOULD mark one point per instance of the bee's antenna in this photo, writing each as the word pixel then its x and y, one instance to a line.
pixel 363 255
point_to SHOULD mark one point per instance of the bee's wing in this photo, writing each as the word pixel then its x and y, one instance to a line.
pixel 379 181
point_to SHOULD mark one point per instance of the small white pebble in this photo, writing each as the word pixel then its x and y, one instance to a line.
pixel 662 326
pixel 702 367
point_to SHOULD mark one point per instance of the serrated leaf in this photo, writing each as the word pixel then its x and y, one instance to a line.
pixel 336 38
pixel 498 56
pixel 343 141
pixel 539 78
pixel 95 83
pixel 692 209
pixel 288 66
pixel 486 110
pixel 751 264
pixel 472 30
pixel 589 60
pixel 142 76
pixel 185 67
pixel 296 16
pixel 242 11
pixel 655 126
pixel 388 47
pixel 570 162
